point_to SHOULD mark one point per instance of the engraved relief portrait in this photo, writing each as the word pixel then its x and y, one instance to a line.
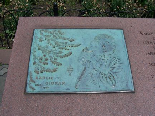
pixel 78 60
pixel 100 63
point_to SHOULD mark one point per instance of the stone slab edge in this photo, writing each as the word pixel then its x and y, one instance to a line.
pixel 5 55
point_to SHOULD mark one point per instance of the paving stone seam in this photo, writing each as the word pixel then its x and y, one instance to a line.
pixel 3 71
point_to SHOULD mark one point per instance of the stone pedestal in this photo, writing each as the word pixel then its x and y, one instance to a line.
pixel 140 40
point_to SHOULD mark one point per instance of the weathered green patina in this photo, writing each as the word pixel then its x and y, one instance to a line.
pixel 79 61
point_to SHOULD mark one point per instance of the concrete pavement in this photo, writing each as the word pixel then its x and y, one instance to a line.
pixel 3 74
